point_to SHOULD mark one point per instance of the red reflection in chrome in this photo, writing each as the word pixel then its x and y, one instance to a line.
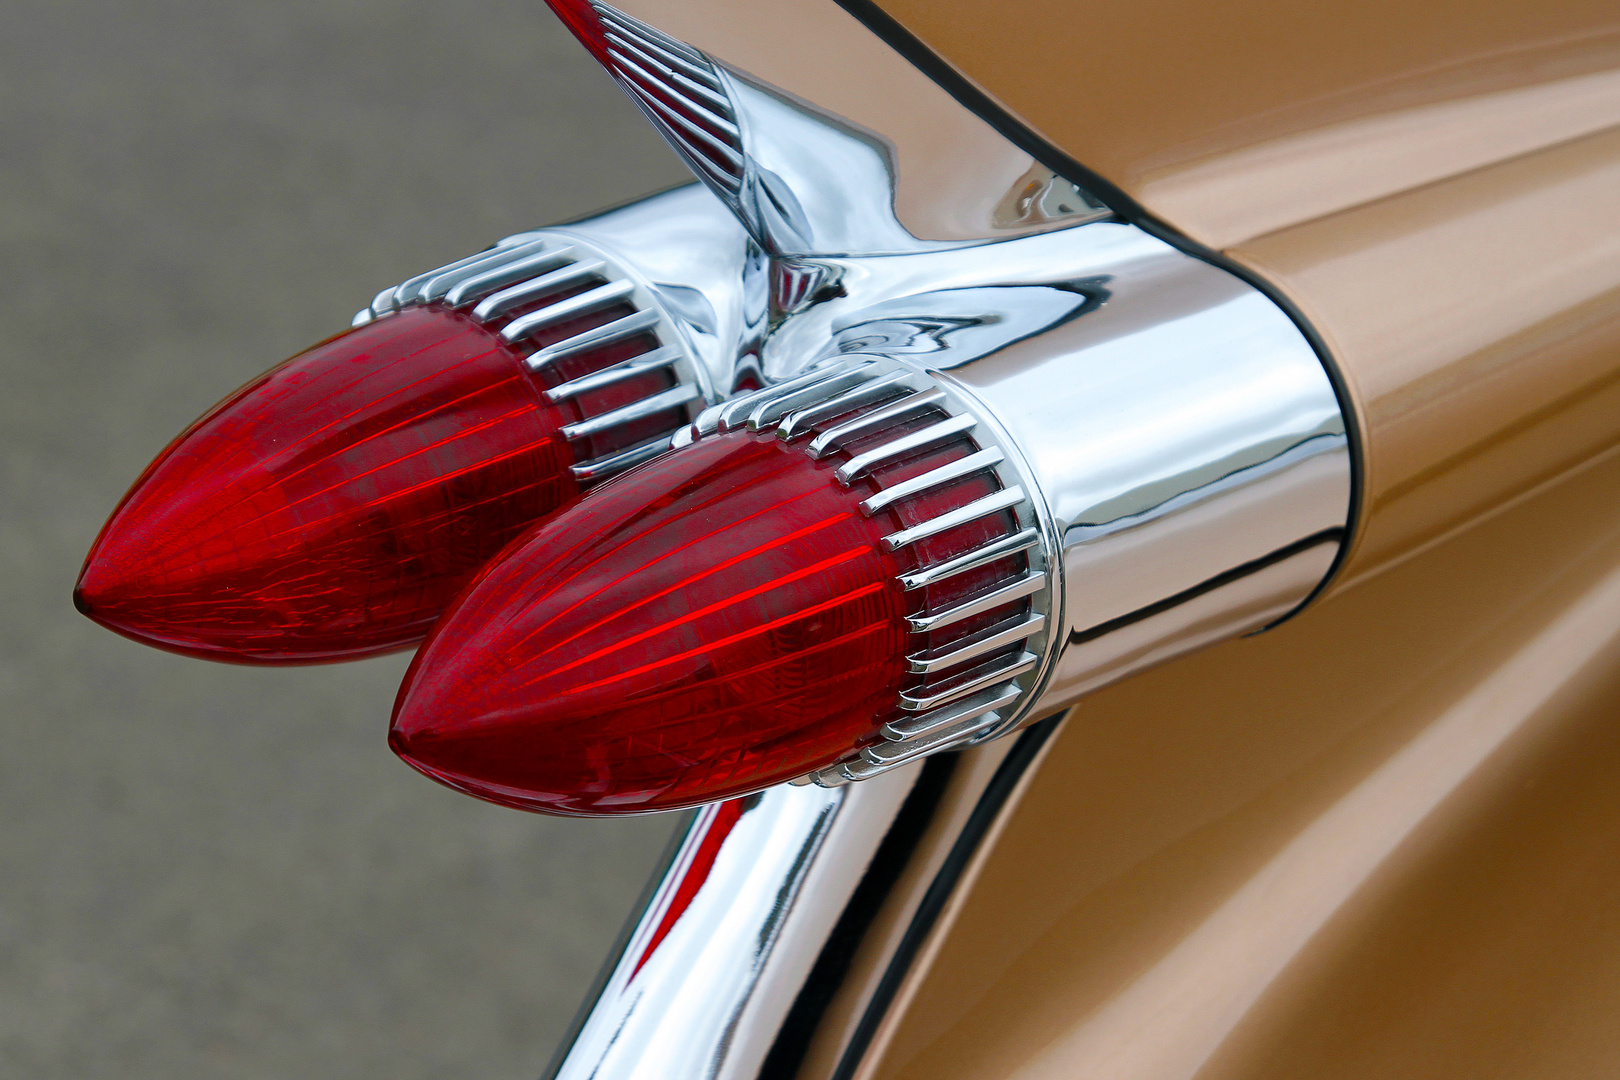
pixel 330 508
pixel 723 818
pixel 719 620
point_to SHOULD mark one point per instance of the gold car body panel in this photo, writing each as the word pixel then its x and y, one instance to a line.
pixel 1373 840
pixel 1477 323
pixel 1377 840
pixel 1438 192
pixel 1235 120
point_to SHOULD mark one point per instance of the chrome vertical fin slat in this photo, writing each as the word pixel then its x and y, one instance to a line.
pixel 1023 540
pixel 630 56
pixel 917 440
pixel 868 423
pixel 676 52
pixel 951 470
pixel 1005 499
pixel 636 410
pixel 973 681
pixel 383 302
pixel 498 304
pixel 688 130
pixel 606 334
pixel 913 725
pixel 924 664
pixel 436 286
pixel 730 415
pixel 608 376
pixel 881 757
pixel 1028 585
pixel 600 469
pixel 482 281
pixel 408 291
pixel 802 420
pixel 579 304
pixel 768 412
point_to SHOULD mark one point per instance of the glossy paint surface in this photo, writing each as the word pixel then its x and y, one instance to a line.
pixel 1377 841
pixel 1477 323
pixel 330 508
pixel 1233 120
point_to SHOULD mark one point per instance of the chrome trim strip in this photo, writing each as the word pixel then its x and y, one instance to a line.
pixel 863 462
pixel 814 909
pixel 922 663
pixel 477 286
pixel 602 468
pixel 909 727
pixel 663 74
pixel 989 676
pixel 866 393
pixel 1005 499
pixel 866 423
pixel 408 291
pixel 579 304
pixel 636 410
pixel 627 369
pixel 953 470
pixel 606 334
pixel 1031 583
pixel 881 757
pixel 775 406
pixel 728 415
pixel 972 560
pixel 496 305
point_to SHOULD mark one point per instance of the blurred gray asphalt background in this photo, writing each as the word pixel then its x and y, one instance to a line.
pixel 213 871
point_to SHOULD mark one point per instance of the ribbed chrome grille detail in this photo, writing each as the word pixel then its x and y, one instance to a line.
pixel 980 615
pixel 586 325
pixel 681 93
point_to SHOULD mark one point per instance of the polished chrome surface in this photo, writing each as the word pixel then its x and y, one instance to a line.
pixel 1177 439
pixel 687 1002
pixel 679 259
pixel 804 180
pixel 1172 424
pixel 862 384
pixel 1170 444
pixel 786 922
pixel 699 268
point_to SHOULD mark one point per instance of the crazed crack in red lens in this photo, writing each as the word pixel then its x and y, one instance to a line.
pixel 330 508
pixel 711 623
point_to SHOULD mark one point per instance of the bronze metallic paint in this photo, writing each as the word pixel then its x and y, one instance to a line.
pixel 1236 119
pixel 1379 840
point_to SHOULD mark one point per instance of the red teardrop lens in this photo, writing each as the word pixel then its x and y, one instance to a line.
pixel 332 506
pixel 716 621
pixel 705 625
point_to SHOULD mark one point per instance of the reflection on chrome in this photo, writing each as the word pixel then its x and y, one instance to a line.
pixel 803 180
pixel 787 922
pixel 694 257
pixel 1174 446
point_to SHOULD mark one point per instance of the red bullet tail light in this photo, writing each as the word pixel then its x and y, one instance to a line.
pixel 330 508
pixel 836 575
